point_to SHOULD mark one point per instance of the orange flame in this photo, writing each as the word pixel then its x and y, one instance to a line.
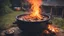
pixel 53 28
pixel 46 31
pixel 35 13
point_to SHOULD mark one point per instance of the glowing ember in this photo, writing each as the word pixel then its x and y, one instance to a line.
pixel 36 11
pixel 46 31
pixel 53 28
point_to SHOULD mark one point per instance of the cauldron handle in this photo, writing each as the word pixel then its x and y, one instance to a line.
pixel 49 22
pixel 15 22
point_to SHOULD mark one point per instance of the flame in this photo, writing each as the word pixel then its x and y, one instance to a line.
pixel 46 31
pixel 35 7
pixel 53 28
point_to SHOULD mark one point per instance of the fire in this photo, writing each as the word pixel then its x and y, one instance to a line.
pixel 53 28
pixel 35 7
pixel 46 31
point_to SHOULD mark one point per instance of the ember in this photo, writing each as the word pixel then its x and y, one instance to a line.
pixel 53 28
pixel 51 31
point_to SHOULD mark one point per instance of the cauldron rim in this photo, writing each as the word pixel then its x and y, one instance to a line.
pixel 35 21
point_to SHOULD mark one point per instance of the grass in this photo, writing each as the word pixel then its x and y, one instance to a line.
pixel 59 22
pixel 7 20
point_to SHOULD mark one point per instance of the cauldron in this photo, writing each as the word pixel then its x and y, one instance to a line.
pixel 32 28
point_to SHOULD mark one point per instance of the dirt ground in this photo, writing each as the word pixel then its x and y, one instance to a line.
pixel 15 31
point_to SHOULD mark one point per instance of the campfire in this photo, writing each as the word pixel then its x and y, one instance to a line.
pixel 35 23
pixel 51 31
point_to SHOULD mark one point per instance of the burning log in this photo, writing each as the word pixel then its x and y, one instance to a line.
pixel 51 31
pixel 53 28
pixel 48 33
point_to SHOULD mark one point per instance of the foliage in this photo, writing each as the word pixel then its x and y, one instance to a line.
pixel 4 8
pixel 59 22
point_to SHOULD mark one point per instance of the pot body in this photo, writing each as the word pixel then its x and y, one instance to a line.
pixel 32 28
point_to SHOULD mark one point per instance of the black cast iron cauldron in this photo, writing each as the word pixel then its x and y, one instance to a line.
pixel 32 28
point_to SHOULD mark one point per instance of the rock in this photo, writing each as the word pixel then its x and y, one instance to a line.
pixel 14 31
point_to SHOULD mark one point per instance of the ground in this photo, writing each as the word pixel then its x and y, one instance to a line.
pixel 15 31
